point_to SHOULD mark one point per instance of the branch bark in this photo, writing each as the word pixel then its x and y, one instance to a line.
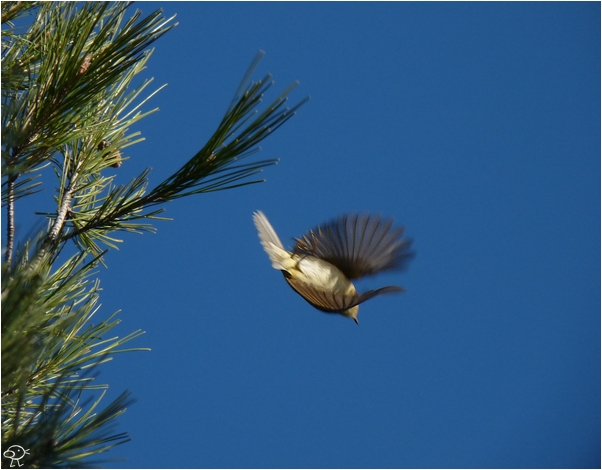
pixel 53 235
pixel 10 220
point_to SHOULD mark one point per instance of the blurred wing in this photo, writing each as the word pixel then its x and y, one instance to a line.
pixel 328 301
pixel 359 245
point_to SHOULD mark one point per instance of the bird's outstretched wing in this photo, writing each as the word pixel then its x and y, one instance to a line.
pixel 335 302
pixel 359 245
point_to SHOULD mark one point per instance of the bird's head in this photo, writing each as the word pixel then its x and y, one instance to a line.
pixel 352 313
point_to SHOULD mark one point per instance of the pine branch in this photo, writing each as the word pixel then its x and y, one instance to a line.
pixel 215 167
pixel 59 115
pixel 67 104
pixel 13 10
pixel 48 342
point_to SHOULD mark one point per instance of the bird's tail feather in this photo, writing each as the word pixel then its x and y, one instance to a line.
pixel 281 259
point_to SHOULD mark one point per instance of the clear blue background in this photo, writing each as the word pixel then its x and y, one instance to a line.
pixel 474 125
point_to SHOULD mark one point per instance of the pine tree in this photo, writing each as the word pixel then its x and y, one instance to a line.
pixel 68 104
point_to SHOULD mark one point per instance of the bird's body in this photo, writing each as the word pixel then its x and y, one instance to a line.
pixel 325 259
pixel 317 272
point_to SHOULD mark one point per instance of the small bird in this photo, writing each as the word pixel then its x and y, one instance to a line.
pixel 324 260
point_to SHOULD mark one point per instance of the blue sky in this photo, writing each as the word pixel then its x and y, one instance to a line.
pixel 477 127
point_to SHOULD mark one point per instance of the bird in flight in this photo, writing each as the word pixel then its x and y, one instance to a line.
pixel 326 258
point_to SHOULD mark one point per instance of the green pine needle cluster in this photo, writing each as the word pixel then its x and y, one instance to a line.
pixel 69 104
